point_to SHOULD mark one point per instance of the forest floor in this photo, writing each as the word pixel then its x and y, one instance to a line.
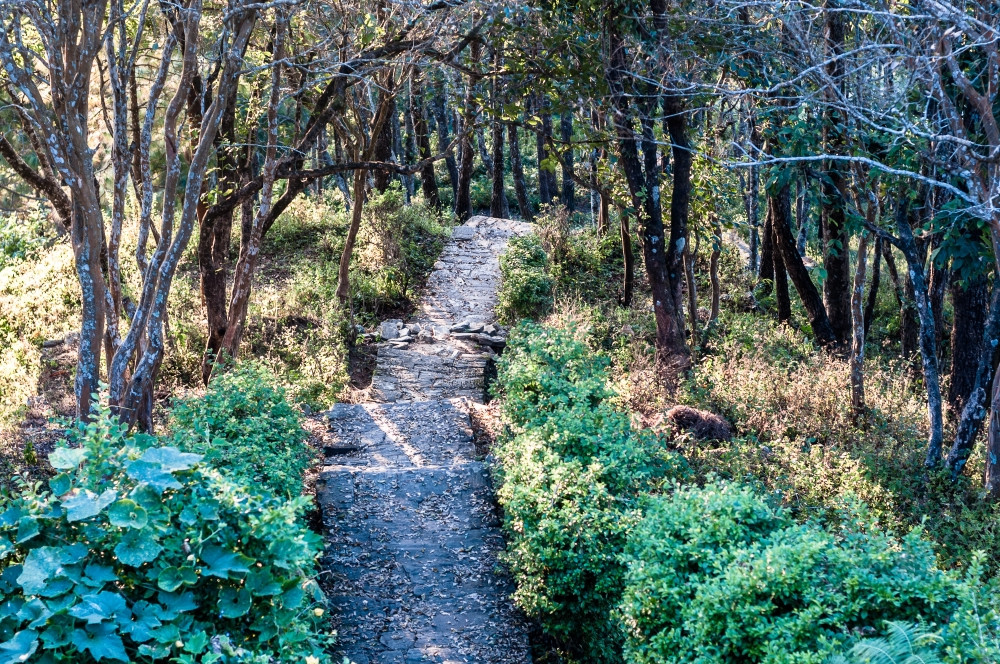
pixel 411 525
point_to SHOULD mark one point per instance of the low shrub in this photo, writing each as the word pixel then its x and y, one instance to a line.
pixel 571 472
pixel 717 574
pixel 525 285
pixel 137 552
pixel 244 426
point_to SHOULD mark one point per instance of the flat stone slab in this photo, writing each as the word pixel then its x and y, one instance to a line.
pixel 412 528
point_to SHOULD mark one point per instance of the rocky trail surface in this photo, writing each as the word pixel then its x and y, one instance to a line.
pixel 412 530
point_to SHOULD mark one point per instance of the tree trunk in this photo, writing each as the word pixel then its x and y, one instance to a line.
pixel 428 181
pixel 836 241
pixel 463 203
pixel 802 215
pixel 976 404
pixel 928 343
pixel 971 304
pixel 671 346
pixel 753 202
pixel 545 191
pixel 568 187
pixel 498 197
pixel 779 206
pixel 628 260
pixel 992 475
pixel 714 268
pixel 780 281
pixel 765 276
pixel 344 271
pixel 680 199
pixel 383 143
pixel 869 312
pixel 444 138
pixel 517 171
pixel 858 325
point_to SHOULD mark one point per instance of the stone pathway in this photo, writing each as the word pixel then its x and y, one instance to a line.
pixel 413 532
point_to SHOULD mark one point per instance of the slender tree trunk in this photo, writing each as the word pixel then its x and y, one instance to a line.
pixel 344 271
pixel 498 197
pixel 484 154
pixel 975 407
pixel 928 343
pixel 680 199
pixel 383 143
pixel 802 215
pixel 628 260
pixel 869 312
pixel 444 138
pixel 568 187
pixel 858 325
pixel 765 276
pixel 545 192
pixel 753 201
pixel 463 204
pixel 836 241
pixel 517 171
pixel 992 475
pixel 780 281
pixel 779 205
pixel 428 181
pixel 971 304
pixel 670 342
pixel 714 268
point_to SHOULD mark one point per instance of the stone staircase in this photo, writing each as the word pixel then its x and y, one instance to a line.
pixel 412 530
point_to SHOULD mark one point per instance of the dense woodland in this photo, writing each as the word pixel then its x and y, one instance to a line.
pixel 749 405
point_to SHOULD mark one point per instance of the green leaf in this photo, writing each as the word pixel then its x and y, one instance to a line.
pixel 138 547
pixel 197 643
pixel 127 514
pixel 101 606
pixel 27 527
pixel 262 583
pixel 61 484
pixel 66 458
pixel 171 459
pixel 85 504
pixel 222 563
pixel 172 578
pixel 20 648
pixel 234 603
pixel 145 618
pixel 153 475
pixel 101 641
pixel 41 565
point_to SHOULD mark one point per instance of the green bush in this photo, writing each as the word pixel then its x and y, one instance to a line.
pixel 525 285
pixel 137 552
pixel 571 471
pixel 717 574
pixel 23 239
pixel 244 426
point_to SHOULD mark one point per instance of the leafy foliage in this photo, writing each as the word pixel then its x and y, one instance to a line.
pixel 525 285
pixel 717 573
pixel 137 552
pixel 244 426
pixel 905 644
pixel 571 474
